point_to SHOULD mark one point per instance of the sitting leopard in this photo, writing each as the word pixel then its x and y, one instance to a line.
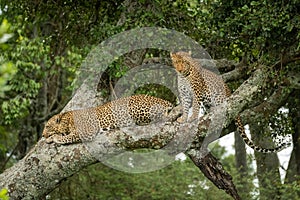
pixel 208 89
pixel 140 110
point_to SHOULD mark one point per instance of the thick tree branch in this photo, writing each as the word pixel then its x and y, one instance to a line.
pixel 214 170
pixel 246 93
pixel 231 71
pixel 267 107
pixel 43 168
pixel 239 72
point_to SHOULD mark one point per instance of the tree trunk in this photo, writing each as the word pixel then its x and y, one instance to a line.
pixel 293 172
pixel 267 165
pixel 241 164
pixel 240 154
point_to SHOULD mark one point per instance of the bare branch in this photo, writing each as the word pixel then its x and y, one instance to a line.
pixel 239 72
pixel 223 65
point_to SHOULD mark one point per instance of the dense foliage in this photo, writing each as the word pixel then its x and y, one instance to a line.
pixel 43 43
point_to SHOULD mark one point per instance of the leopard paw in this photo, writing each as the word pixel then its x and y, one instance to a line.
pixel 194 116
pixel 55 139
pixel 49 140
pixel 181 119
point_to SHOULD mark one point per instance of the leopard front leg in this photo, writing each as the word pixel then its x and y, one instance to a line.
pixel 187 99
pixel 196 109
pixel 64 139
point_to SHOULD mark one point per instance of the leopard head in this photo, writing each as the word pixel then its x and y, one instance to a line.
pixel 180 63
pixel 58 124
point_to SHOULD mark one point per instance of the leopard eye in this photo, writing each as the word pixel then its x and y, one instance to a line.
pixel 186 64
pixel 57 120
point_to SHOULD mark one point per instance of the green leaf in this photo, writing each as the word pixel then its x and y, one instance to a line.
pixel 3 194
pixel 255 3
pixel 4 31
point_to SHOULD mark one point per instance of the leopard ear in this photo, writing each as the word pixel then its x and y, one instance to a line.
pixel 59 117
pixel 65 116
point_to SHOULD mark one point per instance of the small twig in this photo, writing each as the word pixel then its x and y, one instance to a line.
pixel 8 158
pixel 112 90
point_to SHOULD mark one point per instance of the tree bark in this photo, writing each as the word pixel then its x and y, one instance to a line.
pixel 214 171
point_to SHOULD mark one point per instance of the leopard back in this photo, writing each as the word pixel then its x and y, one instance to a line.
pixel 73 126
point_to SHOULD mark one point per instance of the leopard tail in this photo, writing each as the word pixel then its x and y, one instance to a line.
pixel 249 142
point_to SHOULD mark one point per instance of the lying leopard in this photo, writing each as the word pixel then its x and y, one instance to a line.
pixel 139 110
pixel 208 89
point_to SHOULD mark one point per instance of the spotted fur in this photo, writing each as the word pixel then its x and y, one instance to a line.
pixel 208 89
pixel 72 126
